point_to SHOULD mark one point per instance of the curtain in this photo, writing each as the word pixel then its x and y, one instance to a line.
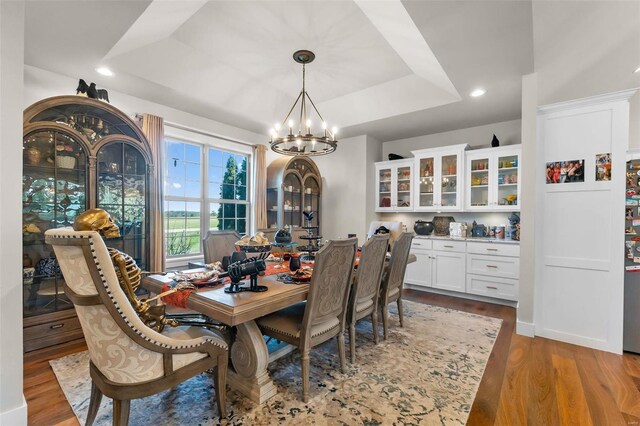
pixel 153 128
pixel 260 202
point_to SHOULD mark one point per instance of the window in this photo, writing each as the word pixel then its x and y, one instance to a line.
pixel 206 188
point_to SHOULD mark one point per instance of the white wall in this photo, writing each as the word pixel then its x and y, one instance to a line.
pixel 13 410
pixel 40 84
pixel 508 133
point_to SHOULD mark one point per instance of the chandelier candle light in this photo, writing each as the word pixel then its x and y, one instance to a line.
pixel 303 142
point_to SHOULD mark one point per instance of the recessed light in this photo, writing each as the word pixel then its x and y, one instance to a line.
pixel 478 92
pixel 104 71
pixel 637 70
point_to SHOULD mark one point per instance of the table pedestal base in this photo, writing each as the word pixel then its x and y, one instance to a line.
pixel 250 358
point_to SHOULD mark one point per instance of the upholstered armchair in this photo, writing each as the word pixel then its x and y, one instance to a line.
pixel 395 230
pixel 128 360
pixel 323 315
pixel 391 289
pixel 218 244
pixel 366 288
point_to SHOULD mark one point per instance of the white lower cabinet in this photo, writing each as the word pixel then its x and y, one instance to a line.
pixel 449 270
pixel 472 267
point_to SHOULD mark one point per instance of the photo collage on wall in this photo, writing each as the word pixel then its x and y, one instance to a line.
pixel 603 167
pixel 631 214
pixel 565 171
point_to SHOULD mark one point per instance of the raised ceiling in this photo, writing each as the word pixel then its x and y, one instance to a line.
pixel 389 69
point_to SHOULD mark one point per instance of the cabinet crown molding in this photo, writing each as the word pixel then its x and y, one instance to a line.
pixel 622 95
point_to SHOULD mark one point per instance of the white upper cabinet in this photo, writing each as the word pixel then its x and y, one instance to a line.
pixel 394 185
pixel 492 179
pixel 439 177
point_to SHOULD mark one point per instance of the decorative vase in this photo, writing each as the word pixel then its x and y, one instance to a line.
pixel 422 227
pixel 33 156
pixel 441 224
pixel 48 266
pixel 294 263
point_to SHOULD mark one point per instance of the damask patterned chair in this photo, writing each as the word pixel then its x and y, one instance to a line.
pixel 366 289
pixel 128 360
pixel 391 289
pixel 323 315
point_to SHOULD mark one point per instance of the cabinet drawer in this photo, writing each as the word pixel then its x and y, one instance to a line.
pixel 52 333
pixel 498 249
pixel 500 288
pixel 444 245
pixel 421 244
pixel 494 266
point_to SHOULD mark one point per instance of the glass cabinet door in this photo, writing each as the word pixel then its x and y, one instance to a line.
pixel 384 188
pixel 478 182
pixel 426 178
pixel 507 180
pixel 449 181
pixel 122 186
pixel 292 200
pixel 53 193
pixel 403 187
pixel 312 199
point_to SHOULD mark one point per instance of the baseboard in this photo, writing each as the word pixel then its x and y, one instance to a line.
pixel 575 339
pixel 460 295
pixel 525 328
pixel 16 416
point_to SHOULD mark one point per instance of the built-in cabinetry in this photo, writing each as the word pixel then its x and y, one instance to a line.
pixel 451 178
pixel 394 185
pixel 439 178
pixel 492 179
pixel 480 268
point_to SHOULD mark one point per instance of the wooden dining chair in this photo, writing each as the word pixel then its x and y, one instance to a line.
pixel 323 315
pixel 128 360
pixel 218 244
pixel 391 286
pixel 366 288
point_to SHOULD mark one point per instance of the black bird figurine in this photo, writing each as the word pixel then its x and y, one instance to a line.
pixel 92 92
pixel 495 142
pixel 82 87
pixel 103 95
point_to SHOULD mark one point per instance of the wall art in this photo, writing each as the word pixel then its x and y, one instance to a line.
pixel 565 171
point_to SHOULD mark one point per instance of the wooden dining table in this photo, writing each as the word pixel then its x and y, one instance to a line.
pixel 249 354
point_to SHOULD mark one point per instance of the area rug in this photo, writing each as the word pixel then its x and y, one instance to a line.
pixel 426 373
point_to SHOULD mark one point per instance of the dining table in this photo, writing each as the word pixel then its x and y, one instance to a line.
pixel 249 354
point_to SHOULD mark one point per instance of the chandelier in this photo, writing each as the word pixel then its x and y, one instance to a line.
pixel 301 141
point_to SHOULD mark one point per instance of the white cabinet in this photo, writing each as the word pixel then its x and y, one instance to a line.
pixel 420 272
pixel 394 186
pixel 492 179
pixel 493 270
pixel 439 178
pixel 449 270
pixel 472 267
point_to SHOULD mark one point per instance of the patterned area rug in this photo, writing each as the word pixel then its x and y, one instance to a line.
pixel 426 373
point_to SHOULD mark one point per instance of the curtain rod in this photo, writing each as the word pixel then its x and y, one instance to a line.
pixel 201 132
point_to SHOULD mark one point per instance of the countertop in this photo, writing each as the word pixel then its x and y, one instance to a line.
pixel 473 239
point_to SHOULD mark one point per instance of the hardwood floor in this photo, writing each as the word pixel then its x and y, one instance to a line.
pixel 526 381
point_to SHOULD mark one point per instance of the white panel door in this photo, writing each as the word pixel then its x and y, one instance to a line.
pixel 449 271
pixel 419 272
pixel 580 224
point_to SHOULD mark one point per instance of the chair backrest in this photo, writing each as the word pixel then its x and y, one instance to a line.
pixel 218 244
pixel 395 230
pixel 370 269
pixel 120 345
pixel 330 284
pixel 398 263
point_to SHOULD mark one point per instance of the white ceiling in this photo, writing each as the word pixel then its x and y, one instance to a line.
pixel 390 69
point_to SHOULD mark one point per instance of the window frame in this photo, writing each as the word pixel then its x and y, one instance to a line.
pixel 205 143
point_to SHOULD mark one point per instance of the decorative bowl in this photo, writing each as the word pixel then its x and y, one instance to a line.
pixel 422 227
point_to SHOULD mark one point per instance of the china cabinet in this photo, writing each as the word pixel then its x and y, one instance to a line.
pixel 439 178
pixel 294 185
pixel 493 179
pixel 394 185
pixel 79 153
